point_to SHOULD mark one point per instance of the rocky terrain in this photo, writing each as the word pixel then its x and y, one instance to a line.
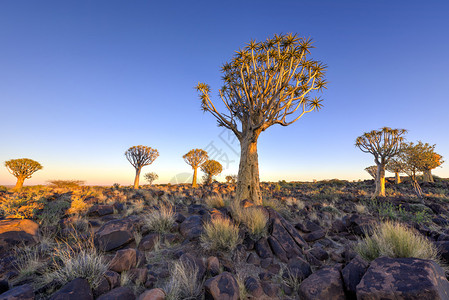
pixel 103 243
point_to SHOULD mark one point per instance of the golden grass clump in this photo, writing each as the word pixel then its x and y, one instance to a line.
pixel 183 283
pixel 160 219
pixel 254 218
pixel 220 234
pixel 215 201
pixel 396 240
pixel 78 205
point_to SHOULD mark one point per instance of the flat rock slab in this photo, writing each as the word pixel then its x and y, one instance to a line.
pixel 403 278
pixel 114 234
pixel 325 283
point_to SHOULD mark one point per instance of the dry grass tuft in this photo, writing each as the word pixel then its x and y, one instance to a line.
pixel 253 218
pixel 160 220
pixel 220 234
pixel 183 283
pixel 396 240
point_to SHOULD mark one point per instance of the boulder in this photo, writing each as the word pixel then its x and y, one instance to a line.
pixel 353 273
pixel 213 265
pixel 359 225
pixel 314 235
pixel 15 232
pixel 120 293
pixel 114 234
pixel 148 242
pixel 298 268
pixel 443 247
pixel 325 283
pixel 124 260
pixel 253 287
pixel 21 292
pixel 263 249
pixel 100 210
pixel 77 289
pixel 113 278
pixel 222 287
pixel 192 227
pixel 403 278
pixel 153 294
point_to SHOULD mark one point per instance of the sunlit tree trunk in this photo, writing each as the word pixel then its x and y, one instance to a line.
pixel 427 176
pixel 397 178
pixel 195 171
pixel 248 183
pixel 136 180
pixel 19 183
pixel 380 181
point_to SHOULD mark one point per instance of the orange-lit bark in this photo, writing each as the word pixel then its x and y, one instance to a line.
pixel 195 171
pixel 19 183
pixel 136 180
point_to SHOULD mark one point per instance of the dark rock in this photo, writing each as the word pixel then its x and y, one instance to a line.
pixel 270 290
pixel 313 236
pixel 153 294
pixel 325 283
pixel 4 286
pixel 114 234
pixel 21 292
pixel 179 218
pixel 359 225
pixel 124 260
pixel 102 288
pixel 403 278
pixel 298 268
pixel 113 278
pixel 308 226
pixel 319 253
pixel 100 210
pixel 277 249
pixel 338 226
pixel 253 287
pixel 443 247
pixel 77 289
pixel 213 266
pixel 138 275
pixel 148 242
pixel 263 249
pixel 120 293
pixel 253 259
pixel 287 236
pixel 192 227
pixel 352 274
pixel 222 287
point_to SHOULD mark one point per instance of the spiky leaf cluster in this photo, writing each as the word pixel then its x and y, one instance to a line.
pixel 195 157
pixel 22 167
pixel 140 156
pixel 383 144
pixel 266 83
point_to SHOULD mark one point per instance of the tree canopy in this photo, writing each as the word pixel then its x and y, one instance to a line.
pixel 22 167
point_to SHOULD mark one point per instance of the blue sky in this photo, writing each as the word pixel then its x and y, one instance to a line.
pixel 82 81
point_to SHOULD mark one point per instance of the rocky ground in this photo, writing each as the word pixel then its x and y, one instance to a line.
pixel 95 243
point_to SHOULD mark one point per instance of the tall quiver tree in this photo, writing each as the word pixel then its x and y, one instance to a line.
pixel 430 161
pixel 195 158
pixel 265 83
pixel 383 145
pixel 395 166
pixel 140 156
pixel 22 168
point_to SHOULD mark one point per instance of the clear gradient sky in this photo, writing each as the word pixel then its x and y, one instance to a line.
pixel 82 81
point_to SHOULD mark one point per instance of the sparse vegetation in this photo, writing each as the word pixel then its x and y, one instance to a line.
pixel 160 219
pixel 220 234
pixel 396 240
pixel 183 282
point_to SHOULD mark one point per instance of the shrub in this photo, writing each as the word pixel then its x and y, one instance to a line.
pixel 395 240
pixel 67 184
pixel 220 234
pixel 253 218
pixel 183 283
pixel 21 206
pixel 78 206
pixel 215 201
pixel 160 219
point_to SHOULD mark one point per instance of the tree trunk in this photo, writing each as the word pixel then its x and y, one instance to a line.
pixel 136 180
pixel 194 184
pixel 380 181
pixel 397 178
pixel 19 183
pixel 248 184
pixel 427 176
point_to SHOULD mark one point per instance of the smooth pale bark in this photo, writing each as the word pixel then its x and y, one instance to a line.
pixel 427 176
pixel 380 181
pixel 397 178
pixel 136 180
pixel 19 183
pixel 195 170
pixel 248 183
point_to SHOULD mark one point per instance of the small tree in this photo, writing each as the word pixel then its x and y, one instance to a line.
pixel 411 157
pixel 231 179
pixel 211 168
pixel 430 161
pixel 150 177
pixel 22 168
pixel 383 145
pixel 395 166
pixel 372 170
pixel 266 83
pixel 195 158
pixel 140 156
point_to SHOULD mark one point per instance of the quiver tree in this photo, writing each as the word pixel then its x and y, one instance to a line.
pixel 395 166
pixel 195 158
pixel 150 177
pixel 383 145
pixel 22 168
pixel 231 179
pixel 411 157
pixel 430 160
pixel 140 156
pixel 372 170
pixel 265 83
pixel 211 168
